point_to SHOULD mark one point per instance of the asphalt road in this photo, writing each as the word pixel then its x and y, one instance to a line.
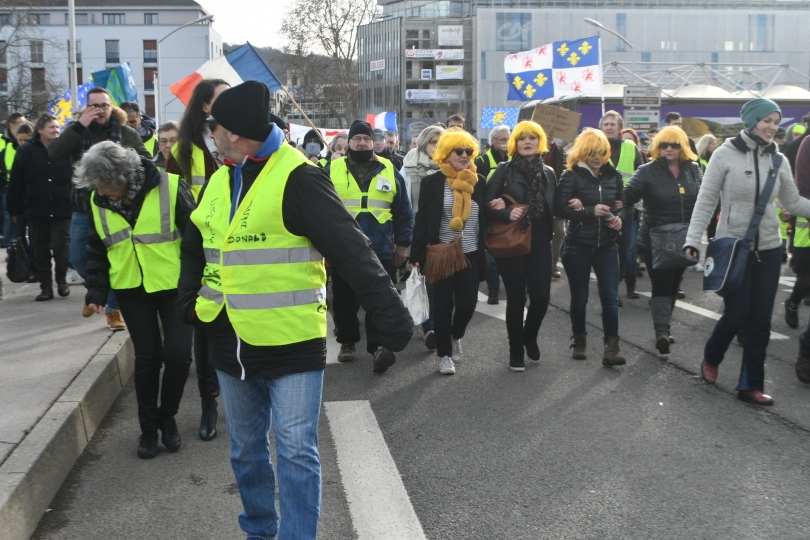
pixel 566 450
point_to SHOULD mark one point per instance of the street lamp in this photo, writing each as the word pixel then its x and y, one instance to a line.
pixel 160 73
pixel 599 25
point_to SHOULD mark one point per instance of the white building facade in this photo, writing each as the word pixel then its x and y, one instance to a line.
pixel 108 33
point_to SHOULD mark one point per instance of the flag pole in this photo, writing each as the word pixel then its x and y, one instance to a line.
pixel 317 131
pixel 602 73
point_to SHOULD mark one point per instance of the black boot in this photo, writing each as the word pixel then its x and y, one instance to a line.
pixel 171 436
pixel 208 385
pixel 147 446
pixel 630 281
pixel 63 289
pixel 46 294
pixel 208 423
pixel 661 311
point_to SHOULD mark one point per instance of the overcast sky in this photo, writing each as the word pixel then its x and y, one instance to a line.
pixel 234 23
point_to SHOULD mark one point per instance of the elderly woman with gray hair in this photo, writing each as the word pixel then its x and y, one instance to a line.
pixel 138 218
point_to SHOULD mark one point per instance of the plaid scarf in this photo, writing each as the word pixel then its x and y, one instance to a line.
pixel 534 172
pixel 114 136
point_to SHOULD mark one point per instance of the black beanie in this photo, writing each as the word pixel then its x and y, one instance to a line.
pixel 359 127
pixel 279 122
pixel 312 136
pixel 244 110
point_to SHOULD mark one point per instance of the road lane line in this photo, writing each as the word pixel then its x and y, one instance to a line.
pixel 708 313
pixel 332 346
pixel 378 502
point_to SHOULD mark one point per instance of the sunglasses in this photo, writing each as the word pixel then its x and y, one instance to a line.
pixel 212 123
pixel 461 151
pixel 597 153
pixel 665 145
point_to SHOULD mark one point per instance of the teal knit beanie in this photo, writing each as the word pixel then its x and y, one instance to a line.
pixel 757 109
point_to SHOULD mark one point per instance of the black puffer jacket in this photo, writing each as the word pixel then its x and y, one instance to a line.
pixel 664 203
pixel 584 228
pixel 40 185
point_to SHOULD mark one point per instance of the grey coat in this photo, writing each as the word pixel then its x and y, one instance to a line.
pixel 731 177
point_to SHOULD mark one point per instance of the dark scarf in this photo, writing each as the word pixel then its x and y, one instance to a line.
pixel 114 136
pixel 739 143
pixel 534 172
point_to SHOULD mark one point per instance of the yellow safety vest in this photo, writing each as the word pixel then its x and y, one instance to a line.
pixel 271 282
pixel 374 200
pixel 8 161
pixel 801 233
pixel 323 162
pixel 197 179
pixel 493 164
pixel 149 254
pixel 151 145
pixel 627 161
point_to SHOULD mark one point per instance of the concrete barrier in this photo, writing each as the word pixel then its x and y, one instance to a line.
pixel 36 469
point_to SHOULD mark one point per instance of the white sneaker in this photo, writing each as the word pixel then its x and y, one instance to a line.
pixel 457 351
pixel 446 366
pixel 73 278
pixel 697 268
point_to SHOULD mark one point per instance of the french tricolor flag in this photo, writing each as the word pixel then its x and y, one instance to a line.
pixel 386 121
pixel 240 65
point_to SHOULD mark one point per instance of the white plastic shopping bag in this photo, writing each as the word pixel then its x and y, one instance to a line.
pixel 416 298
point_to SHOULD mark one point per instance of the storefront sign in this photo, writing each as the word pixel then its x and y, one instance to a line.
pixel 444 73
pixel 451 35
pixel 377 65
pixel 436 54
pixel 432 96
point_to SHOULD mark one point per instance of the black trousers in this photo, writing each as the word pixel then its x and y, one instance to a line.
pixel 664 282
pixel 145 316
pixel 345 306
pixel 532 273
pixel 454 299
pixel 207 381
pixel 50 237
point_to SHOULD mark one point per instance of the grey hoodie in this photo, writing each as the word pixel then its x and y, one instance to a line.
pixel 731 177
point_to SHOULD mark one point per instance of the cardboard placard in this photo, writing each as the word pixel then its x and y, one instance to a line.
pixel 558 123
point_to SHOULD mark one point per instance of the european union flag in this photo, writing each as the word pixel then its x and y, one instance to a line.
pixel 60 108
pixel 498 116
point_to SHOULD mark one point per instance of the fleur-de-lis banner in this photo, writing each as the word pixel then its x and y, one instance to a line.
pixel 562 68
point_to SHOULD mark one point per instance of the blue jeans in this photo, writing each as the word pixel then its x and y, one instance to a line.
pixel 294 402
pixel 628 245
pixel 578 262
pixel 427 326
pixel 493 281
pixel 750 307
pixel 79 231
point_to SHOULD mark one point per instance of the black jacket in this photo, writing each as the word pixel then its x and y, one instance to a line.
pixel 583 227
pixel 507 180
pixel 482 161
pixel 98 265
pixel 660 190
pixel 792 150
pixel 428 220
pixel 393 157
pixel 311 208
pixel 40 185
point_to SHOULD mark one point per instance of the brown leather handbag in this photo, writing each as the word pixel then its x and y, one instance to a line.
pixel 444 260
pixel 506 239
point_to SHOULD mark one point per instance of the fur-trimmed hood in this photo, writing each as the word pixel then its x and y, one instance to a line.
pixel 120 114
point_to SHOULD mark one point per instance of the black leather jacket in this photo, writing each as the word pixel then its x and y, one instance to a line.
pixel 584 228
pixel 660 190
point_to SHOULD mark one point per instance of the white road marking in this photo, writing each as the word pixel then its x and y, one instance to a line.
pixel 378 502
pixel 709 314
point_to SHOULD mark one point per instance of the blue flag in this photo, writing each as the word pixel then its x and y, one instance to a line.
pixel 497 116
pixel 562 68
pixel 119 83
pixel 60 108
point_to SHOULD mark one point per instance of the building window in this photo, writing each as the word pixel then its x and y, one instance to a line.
pixel 82 19
pixel 111 48
pixel 150 51
pixel 760 33
pixel 37 79
pixel 37 55
pixel 5 18
pixel 113 18
pixel 3 79
pixel 483 65
pixel 149 78
pixel 39 19
pixel 150 18
pixel 513 31
pixel 3 46
pixel 715 60
pixel 79 76
pixel 646 57
pixel 728 46
pixel 149 105
pixel 78 50
pixel 621 29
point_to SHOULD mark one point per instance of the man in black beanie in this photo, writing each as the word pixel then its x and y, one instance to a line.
pixel 374 193
pixel 256 244
pixel 313 148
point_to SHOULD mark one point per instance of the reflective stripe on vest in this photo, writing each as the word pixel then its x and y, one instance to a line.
pixel 357 201
pixel 271 282
pixel 152 257
pixel 198 178
pixel 801 233
pixel 627 161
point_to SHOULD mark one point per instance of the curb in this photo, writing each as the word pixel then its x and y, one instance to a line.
pixel 36 469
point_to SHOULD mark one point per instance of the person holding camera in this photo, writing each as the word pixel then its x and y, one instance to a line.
pixel 586 197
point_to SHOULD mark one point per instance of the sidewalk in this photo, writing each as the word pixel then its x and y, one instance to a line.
pixel 59 373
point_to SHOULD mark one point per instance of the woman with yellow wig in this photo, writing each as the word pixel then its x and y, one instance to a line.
pixel 668 185
pixel 450 203
pixel 586 197
pixel 528 181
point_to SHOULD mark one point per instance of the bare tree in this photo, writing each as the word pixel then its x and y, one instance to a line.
pixel 27 66
pixel 322 47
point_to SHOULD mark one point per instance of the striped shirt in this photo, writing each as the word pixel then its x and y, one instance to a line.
pixel 469 241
